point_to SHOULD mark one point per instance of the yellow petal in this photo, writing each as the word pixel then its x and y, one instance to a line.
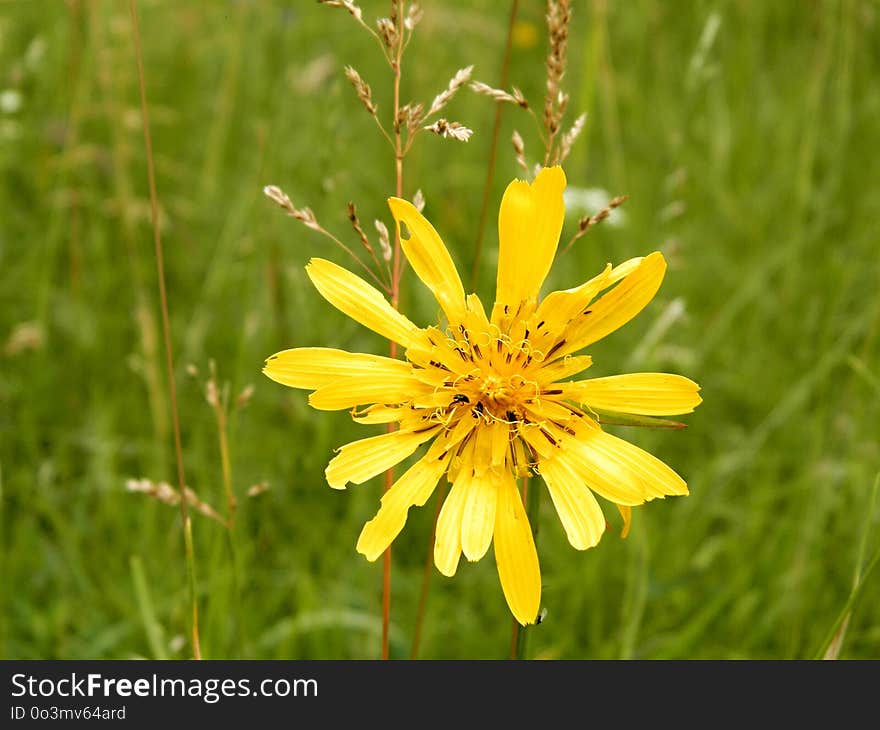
pixel 537 439
pixel 617 307
pixel 578 509
pixel 478 518
pixel 626 513
pixel 618 470
pixel 447 540
pixel 429 258
pixel 459 432
pixel 558 307
pixel 361 460
pixel 312 367
pixel 564 368
pixel 380 414
pixel 500 443
pixel 378 387
pixel 515 554
pixel 647 394
pixel 412 489
pixel 482 453
pixel 363 303
pixel 529 224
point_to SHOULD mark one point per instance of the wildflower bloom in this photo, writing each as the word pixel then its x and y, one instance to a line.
pixel 493 393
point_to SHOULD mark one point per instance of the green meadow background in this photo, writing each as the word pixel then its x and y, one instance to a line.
pixel 747 135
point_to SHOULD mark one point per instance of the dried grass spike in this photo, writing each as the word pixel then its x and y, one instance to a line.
pixel 587 222
pixel 256 490
pixel 419 200
pixel 244 397
pixel 558 18
pixel 500 94
pixel 356 224
pixel 364 92
pixel 447 129
pixel 384 240
pixel 462 76
pixel 387 31
pixel 350 6
pixel 413 16
pixel 519 151
pixel 568 139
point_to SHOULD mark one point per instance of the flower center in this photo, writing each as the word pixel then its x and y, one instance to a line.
pixel 498 397
pixel 494 389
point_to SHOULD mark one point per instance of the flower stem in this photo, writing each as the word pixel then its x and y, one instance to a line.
pixel 395 301
pixel 222 427
pixel 166 330
pixel 493 148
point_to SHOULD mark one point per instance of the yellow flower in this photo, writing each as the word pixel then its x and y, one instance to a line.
pixel 493 394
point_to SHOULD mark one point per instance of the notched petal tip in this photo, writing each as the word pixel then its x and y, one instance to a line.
pixel 554 176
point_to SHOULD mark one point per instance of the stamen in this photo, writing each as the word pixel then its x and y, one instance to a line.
pixel 554 349
pixel 548 436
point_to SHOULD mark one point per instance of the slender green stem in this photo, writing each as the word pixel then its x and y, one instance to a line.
pixel 220 406
pixel 191 575
pixel 848 606
pixel 493 149
pixel 838 628
pixel 166 325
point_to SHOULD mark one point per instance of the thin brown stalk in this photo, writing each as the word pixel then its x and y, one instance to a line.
pixel 426 577
pixel 395 298
pixel 493 148
pixel 166 326
pixel 514 639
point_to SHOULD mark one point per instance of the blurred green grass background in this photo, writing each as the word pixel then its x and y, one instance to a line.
pixel 747 135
